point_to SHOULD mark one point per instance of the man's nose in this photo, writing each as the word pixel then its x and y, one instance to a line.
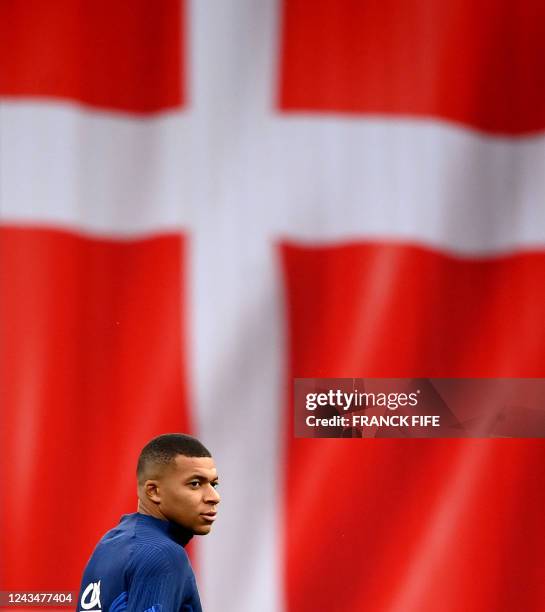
pixel 212 496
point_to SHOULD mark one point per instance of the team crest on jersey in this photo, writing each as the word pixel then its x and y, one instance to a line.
pixel 90 598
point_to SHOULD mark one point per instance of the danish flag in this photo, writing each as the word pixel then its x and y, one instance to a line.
pixel 201 201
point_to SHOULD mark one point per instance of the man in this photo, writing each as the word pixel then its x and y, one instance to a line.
pixel 141 565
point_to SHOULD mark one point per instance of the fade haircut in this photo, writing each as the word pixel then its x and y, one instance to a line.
pixel 164 449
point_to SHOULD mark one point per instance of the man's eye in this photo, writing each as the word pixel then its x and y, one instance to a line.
pixel 215 484
pixel 194 484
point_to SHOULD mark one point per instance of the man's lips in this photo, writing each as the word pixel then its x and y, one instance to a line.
pixel 209 516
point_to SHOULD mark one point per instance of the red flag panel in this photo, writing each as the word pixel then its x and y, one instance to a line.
pixel 92 365
pixel 115 55
pixel 478 64
pixel 413 524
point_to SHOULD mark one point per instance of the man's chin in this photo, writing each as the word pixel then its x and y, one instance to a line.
pixel 202 529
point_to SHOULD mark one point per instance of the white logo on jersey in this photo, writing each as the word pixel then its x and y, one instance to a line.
pixel 93 591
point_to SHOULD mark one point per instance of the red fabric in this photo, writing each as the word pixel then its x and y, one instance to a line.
pixel 475 63
pixel 82 322
pixel 123 56
pixel 413 524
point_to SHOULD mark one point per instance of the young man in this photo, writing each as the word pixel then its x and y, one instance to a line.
pixel 140 565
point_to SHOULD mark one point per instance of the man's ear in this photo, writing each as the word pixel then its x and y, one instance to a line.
pixel 151 489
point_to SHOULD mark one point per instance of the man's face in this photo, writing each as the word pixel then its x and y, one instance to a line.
pixel 187 493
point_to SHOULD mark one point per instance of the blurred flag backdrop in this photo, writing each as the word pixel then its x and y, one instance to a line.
pixel 202 200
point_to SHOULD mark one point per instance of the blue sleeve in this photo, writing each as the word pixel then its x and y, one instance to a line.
pixel 161 583
pixel 155 593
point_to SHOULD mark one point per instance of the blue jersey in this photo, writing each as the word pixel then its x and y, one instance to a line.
pixel 139 566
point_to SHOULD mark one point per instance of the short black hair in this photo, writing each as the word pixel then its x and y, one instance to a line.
pixel 165 448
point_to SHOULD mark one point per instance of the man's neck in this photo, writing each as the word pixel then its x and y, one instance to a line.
pixel 179 534
pixel 150 509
